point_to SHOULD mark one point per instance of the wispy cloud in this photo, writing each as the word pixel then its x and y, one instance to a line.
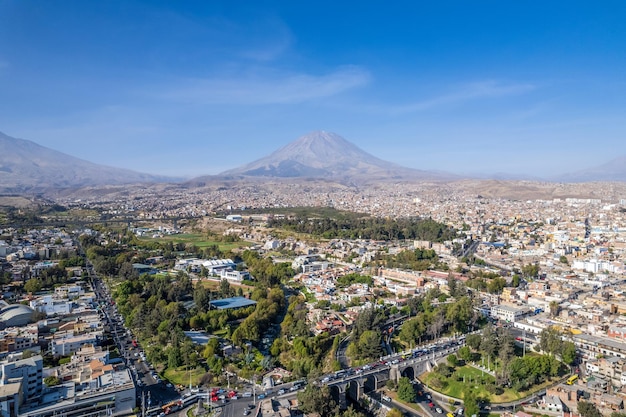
pixel 267 88
pixel 467 92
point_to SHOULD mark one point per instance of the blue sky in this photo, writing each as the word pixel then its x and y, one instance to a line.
pixel 190 88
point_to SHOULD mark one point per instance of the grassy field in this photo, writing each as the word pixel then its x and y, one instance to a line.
pixel 180 376
pixel 476 379
pixel 212 283
pixel 199 240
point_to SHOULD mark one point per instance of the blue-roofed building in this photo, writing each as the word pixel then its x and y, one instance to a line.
pixel 234 302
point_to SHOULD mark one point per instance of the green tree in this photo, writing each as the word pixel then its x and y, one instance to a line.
pixel 452 360
pixel 127 272
pixel 530 270
pixel 555 308
pixel 174 358
pixel 470 401
pixel 406 392
pixel 33 285
pixel 369 346
pixel 568 352
pixel 473 341
pixel 550 340
pixel 496 285
pixel 563 260
pixel 394 412
pixel 489 341
pixel 515 280
pixel 350 412
pixel 317 400
pixel 224 288
pixel 51 381
pixel 588 409
pixel 465 353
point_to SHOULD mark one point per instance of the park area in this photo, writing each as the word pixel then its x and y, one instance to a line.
pixel 182 376
pixel 481 382
pixel 197 239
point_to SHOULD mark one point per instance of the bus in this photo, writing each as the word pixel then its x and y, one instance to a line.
pixel 173 406
pixel 572 379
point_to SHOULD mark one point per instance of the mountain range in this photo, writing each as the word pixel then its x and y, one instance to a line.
pixel 28 167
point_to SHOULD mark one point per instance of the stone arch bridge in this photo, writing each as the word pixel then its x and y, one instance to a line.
pixel 356 385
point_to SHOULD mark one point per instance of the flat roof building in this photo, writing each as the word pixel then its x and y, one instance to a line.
pixel 234 302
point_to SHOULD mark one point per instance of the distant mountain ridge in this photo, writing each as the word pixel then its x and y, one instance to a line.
pixel 327 155
pixel 27 166
pixel 613 170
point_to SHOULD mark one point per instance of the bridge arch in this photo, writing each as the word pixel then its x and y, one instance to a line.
pixel 354 390
pixel 408 372
pixel 335 393
pixel 370 383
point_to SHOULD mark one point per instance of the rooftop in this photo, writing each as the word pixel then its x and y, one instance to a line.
pixel 234 302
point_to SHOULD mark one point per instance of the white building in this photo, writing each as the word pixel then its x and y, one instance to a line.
pixel 231 275
pixel 51 305
pixel 507 313
pixel 28 372
pixel 67 345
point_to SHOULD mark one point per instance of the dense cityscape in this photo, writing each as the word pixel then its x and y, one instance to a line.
pixel 312 209
pixel 271 308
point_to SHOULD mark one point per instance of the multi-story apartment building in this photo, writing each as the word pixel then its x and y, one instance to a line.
pixel 27 371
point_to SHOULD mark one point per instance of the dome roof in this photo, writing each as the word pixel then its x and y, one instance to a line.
pixel 16 315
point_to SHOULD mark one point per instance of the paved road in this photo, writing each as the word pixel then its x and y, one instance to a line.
pixel 341 353
pixel 159 393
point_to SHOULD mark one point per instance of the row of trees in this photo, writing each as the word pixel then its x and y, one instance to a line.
pixel 416 260
pixel 367 228
pixel 432 319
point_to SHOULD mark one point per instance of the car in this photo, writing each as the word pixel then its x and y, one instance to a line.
pixel 431 405
pixel 246 412
pixel 169 385
pixel 439 410
pixel 281 391
pixel 261 396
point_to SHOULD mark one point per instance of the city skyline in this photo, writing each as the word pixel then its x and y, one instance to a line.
pixel 194 89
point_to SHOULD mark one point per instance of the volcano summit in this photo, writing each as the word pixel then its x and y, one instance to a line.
pixel 327 155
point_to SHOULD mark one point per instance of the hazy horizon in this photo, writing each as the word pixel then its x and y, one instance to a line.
pixel 189 89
